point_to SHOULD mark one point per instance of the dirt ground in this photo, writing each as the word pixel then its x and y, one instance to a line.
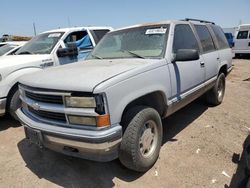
pixel 199 144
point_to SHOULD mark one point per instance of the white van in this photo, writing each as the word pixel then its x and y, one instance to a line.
pixel 242 40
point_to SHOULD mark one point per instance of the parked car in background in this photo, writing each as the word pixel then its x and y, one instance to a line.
pixel 10 48
pixel 111 106
pixel 2 43
pixel 242 40
pixel 51 48
pixel 230 39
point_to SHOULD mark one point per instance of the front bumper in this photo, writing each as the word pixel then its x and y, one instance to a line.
pixel 97 145
pixel 3 102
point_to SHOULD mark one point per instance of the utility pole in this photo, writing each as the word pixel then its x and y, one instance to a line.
pixel 34 27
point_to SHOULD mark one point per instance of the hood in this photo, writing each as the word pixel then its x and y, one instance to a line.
pixel 81 76
pixel 20 60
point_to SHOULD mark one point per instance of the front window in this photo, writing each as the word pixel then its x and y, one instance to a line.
pixel 139 42
pixel 6 48
pixel 41 44
pixel 242 35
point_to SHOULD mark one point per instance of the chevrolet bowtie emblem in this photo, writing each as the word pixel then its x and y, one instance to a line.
pixel 36 106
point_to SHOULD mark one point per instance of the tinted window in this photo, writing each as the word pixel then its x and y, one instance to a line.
pixel 205 38
pixel 242 35
pixel 222 41
pixel 184 38
pixel 98 34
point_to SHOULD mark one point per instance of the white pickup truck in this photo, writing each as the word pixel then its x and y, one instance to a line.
pixel 51 48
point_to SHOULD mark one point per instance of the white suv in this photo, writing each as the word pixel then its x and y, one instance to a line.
pixel 111 105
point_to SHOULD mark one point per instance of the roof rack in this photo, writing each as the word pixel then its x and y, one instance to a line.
pixel 197 20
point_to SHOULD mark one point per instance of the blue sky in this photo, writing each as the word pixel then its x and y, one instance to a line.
pixel 17 17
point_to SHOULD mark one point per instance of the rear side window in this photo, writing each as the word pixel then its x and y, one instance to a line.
pixel 184 38
pixel 242 35
pixel 219 34
pixel 205 38
pixel 98 34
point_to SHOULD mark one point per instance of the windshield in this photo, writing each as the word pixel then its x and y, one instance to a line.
pixel 6 48
pixel 139 42
pixel 41 44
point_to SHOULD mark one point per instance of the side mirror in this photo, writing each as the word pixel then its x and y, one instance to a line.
pixel 71 50
pixel 186 55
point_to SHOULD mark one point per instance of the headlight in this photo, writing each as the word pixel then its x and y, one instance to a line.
pixel 80 102
pixel 96 102
pixel 99 121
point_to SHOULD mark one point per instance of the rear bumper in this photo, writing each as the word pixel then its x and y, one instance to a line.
pixel 97 145
pixel 3 102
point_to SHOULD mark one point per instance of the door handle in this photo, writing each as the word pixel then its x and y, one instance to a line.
pixel 202 64
pixel 218 58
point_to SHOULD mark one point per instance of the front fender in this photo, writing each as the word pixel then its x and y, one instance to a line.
pixel 121 94
pixel 12 78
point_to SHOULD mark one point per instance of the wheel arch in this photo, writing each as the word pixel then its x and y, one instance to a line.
pixel 156 100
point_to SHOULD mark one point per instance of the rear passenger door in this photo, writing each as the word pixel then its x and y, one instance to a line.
pixel 189 75
pixel 225 52
pixel 209 53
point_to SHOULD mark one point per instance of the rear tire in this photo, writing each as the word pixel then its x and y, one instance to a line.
pixel 14 103
pixel 215 95
pixel 142 139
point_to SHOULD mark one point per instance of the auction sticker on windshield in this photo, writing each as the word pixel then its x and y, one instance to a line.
pixel 156 31
pixel 54 35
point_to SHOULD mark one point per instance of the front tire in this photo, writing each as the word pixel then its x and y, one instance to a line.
pixel 215 95
pixel 14 103
pixel 142 139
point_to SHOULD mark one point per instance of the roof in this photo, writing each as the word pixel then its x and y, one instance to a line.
pixel 162 23
pixel 16 43
pixel 77 29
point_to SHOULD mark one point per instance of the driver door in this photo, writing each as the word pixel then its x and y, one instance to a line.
pixel 187 76
pixel 83 43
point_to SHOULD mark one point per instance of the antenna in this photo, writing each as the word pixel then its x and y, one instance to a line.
pixel 34 27
pixel 69 25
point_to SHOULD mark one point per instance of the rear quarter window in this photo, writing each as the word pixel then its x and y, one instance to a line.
pixel 221 39
pixel 98 34
pixel 205 38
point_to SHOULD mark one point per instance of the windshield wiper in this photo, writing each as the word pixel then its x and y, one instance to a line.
pixel 24 52
pixel 96 56
pixel 134 54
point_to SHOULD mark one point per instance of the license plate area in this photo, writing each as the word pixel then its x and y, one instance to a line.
pixel 34 136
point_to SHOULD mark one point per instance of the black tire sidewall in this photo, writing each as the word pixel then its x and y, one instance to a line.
pixel 148 161
pixel 14 103
pixel 130 154
pixel 220 77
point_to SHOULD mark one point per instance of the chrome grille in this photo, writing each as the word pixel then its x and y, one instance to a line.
pixel 48 115
pixel 47 105
pixel 44 98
